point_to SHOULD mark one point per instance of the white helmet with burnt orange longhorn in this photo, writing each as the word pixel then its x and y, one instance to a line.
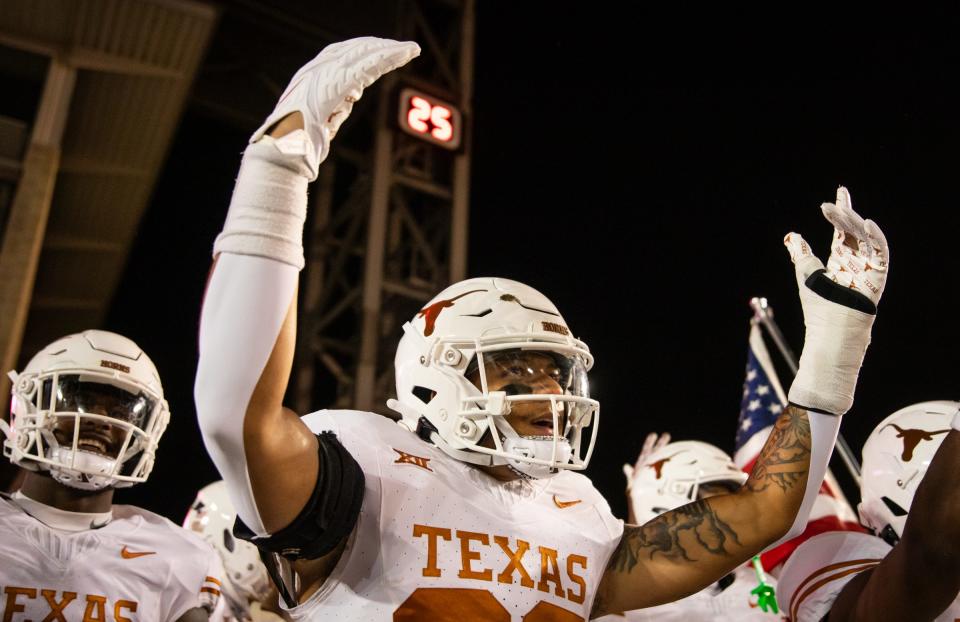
pixel 245 577
pixel 89 410
pixel 487 327
pixel 895 459
pixel 672 475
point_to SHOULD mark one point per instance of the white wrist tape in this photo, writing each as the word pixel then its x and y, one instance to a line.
pixel 823 437
pixel 955 424
pixel 835 343
pixel 269 204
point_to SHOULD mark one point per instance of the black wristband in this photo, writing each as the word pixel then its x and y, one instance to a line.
pixel 823 286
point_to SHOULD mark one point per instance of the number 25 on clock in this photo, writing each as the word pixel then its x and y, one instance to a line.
pixel 429 118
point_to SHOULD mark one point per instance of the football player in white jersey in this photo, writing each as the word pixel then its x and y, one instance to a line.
pixel 909 568
pixel 247 592
pixel 87 414
pixel 471 508
pixel 666 476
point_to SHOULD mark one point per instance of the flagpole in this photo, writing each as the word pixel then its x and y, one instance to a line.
pixel 763 314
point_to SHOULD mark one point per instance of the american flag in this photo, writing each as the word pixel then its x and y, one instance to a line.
pixel 763 401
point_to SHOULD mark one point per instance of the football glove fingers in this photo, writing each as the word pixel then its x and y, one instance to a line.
pixel 859 254
pixel 325 89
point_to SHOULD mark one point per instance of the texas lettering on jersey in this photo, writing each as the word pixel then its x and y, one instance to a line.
pixel 567 583
pixel 139 566
pixel 439 540
pixel 64 605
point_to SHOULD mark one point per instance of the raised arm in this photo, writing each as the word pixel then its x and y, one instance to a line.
pixel 682 551
pixel 268 457
pixel 920 577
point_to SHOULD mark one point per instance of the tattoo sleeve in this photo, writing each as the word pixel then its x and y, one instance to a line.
pixel 785 457
pixel 686 549
pixel 664 536
pixel 693 531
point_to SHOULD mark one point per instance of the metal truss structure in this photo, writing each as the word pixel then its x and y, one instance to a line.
pixel 386 233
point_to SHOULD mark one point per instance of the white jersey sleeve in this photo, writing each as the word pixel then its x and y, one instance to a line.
pixel 138 567
pixel 439 540
pixel 211 596
pixel 221 611
pixel 818 570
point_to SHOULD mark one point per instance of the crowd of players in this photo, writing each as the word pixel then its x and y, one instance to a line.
pixel 470 507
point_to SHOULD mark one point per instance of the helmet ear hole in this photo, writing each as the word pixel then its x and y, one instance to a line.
pixel 424 394
pixel 893 506
pixel 228 542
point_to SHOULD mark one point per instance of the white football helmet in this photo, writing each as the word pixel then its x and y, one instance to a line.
pixel 89 410
pixel 672 475
pixel 212 516
pixel 484 329
pixel 895 459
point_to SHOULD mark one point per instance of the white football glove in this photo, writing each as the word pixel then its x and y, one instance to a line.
pixel 325 89
pixel 269 204
pixel 651 444
pixel 838 323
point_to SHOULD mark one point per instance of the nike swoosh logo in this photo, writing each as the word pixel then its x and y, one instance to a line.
pixel 128 554
pixel 564 504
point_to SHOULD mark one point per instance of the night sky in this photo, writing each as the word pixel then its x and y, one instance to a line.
pixel 641 172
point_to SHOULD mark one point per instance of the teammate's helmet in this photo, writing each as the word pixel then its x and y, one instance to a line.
pixel 895 459
pixel 673 474
pixel 471 331
pixel 212 516
pixel 89 410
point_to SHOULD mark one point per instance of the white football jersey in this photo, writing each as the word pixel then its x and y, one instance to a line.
pixel 138 567
pixel 439 540
pixel 734 603
pixel 224 613
pixel 818 570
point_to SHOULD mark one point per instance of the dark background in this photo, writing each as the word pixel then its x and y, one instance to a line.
pixel 641 170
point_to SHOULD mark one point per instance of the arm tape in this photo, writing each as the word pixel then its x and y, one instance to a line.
pixel 328 516
pixel 838 323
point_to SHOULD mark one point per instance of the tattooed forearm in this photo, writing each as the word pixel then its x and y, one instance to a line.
pixel 681 534
pixel 686 549
pixel 786 454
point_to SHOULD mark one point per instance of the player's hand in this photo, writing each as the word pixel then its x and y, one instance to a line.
pixel 651 444
pixel 325 89
pixel 859 254
pixel 839 306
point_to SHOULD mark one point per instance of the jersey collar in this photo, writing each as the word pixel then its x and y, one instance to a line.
pixel 61 519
